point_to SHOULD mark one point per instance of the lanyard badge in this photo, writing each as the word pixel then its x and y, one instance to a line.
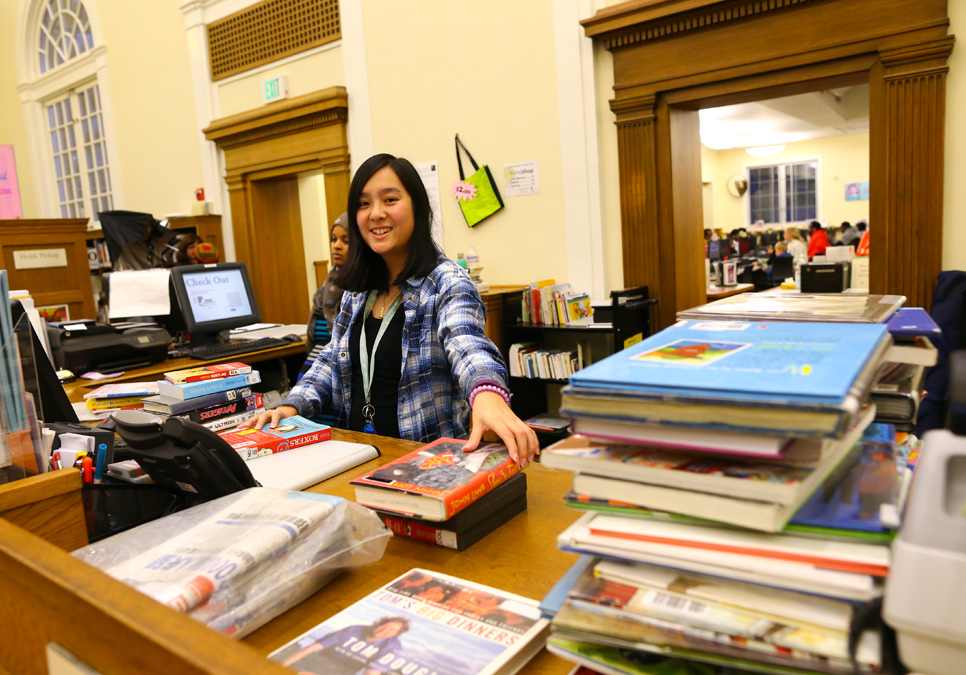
pixel 368 363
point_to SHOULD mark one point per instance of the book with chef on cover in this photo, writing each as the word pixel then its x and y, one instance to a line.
pixel 423 622
pixel 437 480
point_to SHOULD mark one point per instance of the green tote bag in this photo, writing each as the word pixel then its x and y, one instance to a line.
pixel 485 200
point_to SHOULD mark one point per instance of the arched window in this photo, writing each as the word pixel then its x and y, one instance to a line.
pixel 63 73
pixel 65 32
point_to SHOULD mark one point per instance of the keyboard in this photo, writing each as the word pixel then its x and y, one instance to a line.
pixel 220 351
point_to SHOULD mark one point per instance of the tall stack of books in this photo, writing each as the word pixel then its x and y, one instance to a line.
pixel 898 388
pixel 701 444
pixel 216 396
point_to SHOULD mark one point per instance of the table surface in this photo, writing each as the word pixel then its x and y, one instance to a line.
pixel 718 292
pixel 520 557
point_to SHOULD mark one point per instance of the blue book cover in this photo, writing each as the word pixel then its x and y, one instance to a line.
pixel 860 490
pixel 908 322
pixel 554 600
pixel 741 361
pixel 196 389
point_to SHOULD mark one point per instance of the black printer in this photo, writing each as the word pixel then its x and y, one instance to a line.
pixel 82 346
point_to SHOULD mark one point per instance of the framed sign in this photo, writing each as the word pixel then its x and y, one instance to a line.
pixel 10 208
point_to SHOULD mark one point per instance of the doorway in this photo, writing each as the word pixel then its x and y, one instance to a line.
pixel 280 283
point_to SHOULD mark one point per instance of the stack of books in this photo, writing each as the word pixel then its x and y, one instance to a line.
pixel 109 398
pixel 898 387
pixel 441 495
pixel 216 396
pixel 702 443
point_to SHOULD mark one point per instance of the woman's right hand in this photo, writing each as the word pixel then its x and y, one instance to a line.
pixel 270 417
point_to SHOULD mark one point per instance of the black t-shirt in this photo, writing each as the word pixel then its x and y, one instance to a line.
pixel 385 380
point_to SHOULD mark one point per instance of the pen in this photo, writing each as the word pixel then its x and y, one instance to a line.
pixel 101 455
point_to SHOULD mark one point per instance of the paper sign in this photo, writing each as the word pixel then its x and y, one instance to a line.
pixel 10 208
pixel 39 258
pixel 521 179
pixel 429 173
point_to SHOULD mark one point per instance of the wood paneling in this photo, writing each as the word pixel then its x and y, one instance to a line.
pixel 70 285
pixel 49 506
pixel 280 285
pixel 676 55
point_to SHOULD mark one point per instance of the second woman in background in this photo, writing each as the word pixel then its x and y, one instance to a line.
pixel 796 246
pixel 328 298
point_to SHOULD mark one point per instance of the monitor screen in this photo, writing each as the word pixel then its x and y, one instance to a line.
pixel 214 298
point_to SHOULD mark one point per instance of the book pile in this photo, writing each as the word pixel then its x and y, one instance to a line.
pixel 441 495
pixel 109 398
pixel 547 303
pixel 898 387
pixel 701 443
pixel 217 396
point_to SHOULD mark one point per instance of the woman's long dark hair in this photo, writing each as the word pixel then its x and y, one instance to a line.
pixel 364 269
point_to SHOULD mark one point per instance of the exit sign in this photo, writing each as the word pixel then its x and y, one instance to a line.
pixel 274 89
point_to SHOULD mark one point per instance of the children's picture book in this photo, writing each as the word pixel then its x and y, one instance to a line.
pixel 191 390
pixel 291 432
pixel 124 390
pixel 423 622
pixel 578 307
pixel 202 373
pixel 823 307
pixel 437 480
pixel 167 405
pixel 781 361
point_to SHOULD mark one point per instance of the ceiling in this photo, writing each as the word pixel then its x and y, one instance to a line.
pixel 788 119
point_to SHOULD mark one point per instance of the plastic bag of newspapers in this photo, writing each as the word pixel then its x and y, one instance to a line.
pixel 237 562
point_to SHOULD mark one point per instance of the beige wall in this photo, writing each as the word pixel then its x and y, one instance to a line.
pixel 315 235
pixel 954 196
pixel 13 131
pixel 493 80
pixel 842 159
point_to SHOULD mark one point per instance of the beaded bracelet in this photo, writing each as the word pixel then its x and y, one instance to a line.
pixel 495 388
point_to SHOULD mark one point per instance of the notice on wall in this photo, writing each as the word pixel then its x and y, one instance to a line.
pixel 429 173
pixel 521 179
pixel 40 258
pixel 10 207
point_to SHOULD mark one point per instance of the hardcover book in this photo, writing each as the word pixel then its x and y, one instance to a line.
pixel 822 307
pixel 436 481
pixel 910 322
pixel 291 432
pixel 124 390
pixel 423 622
pixel 232 421
pixel 168 405
pixel 192 390
pixel 116 402
pixel 202 373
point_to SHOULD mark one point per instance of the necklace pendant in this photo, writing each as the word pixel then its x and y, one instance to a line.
pixel 369 427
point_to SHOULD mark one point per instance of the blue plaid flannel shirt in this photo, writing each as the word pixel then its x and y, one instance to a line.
pixel 444 356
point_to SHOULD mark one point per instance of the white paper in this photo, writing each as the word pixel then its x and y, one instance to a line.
pixel 429 173
pixel 139 293
pixel 521 179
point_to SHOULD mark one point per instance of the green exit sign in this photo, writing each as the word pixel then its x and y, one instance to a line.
pixel 274 89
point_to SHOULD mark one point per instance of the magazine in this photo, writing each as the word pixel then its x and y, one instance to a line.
pixel 423 622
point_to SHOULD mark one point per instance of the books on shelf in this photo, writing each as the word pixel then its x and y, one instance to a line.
pixel 423 622
pixel 822 307
pixel 291 432
pixel 210 372
pixel 471 524
pixel 169 405
pixel 437 480
pixel 191 390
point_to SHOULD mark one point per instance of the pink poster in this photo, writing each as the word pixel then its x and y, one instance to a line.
pixel 9 189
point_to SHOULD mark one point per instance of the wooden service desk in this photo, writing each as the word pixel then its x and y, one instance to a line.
pixel 76 390
pixel 47 595
pixel 718 292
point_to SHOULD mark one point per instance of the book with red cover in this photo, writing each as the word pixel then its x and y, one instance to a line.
pixel 291 432
pixel 436 481
pixel 212 372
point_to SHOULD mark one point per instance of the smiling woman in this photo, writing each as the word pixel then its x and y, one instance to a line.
pixel 408 357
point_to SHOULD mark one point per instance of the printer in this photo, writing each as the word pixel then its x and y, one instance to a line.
pixel 81 346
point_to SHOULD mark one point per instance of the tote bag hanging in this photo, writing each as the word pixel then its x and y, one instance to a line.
pixel 481 199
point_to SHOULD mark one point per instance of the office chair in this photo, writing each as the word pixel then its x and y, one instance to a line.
pixel 782 269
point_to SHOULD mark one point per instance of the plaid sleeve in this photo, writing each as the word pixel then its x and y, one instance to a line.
pixel 472 356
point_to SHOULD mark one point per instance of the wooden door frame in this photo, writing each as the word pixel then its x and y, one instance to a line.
pixel 672 55
pixel 305 133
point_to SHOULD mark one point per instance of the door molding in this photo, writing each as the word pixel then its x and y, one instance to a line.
pixel 690 54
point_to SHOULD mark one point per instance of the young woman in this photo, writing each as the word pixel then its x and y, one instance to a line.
pixel 796 246
pixel 328 297
pixel 408 357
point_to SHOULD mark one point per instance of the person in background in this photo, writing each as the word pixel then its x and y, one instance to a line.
pixel 780 251
pixel 796 246
pixel 850 235
pixel 408 356
pixel 817 239
pixel 328 298
pixel 187 250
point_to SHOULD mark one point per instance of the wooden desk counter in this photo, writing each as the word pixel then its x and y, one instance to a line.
pixel 520 557
pixel 76 390
pixel 718 292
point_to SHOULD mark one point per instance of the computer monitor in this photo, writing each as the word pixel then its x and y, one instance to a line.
pixel 214 298
pixel 714 250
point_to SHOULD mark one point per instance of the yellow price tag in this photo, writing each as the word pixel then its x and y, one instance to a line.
pixel 633 340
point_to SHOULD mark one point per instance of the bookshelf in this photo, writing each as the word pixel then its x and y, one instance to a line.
pixel 630 310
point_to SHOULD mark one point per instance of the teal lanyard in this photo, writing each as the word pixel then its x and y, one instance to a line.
pixel 368 363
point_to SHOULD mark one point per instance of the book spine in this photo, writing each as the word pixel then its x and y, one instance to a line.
pixel 271 447
pixel 217 411
pixel 231 421
pixel 197 389
pixel 211 375
pixel 203 402
pixel 421 531
pixel 462 497
pixel 117 402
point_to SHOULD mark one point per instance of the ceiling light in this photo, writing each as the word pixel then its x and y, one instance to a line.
pixel 765 151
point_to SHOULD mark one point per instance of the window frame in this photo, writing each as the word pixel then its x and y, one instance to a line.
pixel 781 187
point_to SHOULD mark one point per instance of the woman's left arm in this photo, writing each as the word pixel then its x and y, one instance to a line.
pixel 476 361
